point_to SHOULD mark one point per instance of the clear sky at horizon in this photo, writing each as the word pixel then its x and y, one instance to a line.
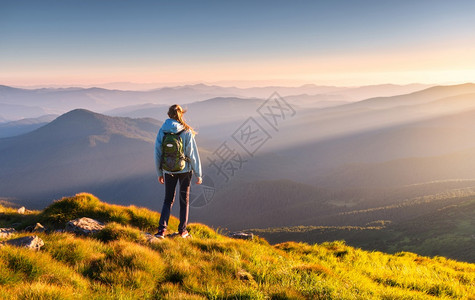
pixel 284 42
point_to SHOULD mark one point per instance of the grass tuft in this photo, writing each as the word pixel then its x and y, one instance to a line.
pixel 202 231
pixel 86 205
pixel 114 231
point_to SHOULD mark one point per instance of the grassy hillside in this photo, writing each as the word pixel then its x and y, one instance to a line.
pixel 118 263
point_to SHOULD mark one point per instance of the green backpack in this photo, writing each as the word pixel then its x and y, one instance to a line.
pixel 173 156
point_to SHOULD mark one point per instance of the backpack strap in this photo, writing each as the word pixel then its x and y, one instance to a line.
pixel 186 158
pixel 174 133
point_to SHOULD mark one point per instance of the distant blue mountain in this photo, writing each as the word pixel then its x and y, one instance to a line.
pixel 23 126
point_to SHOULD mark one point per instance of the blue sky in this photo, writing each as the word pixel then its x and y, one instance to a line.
pixel 324 42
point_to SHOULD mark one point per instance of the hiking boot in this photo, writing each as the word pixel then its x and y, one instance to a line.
pixel 185 234
pixel 160 234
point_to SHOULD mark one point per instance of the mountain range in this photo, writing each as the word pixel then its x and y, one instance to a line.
pixel 18 103
pixel 22 126
pixel 79 150
pixel 384 160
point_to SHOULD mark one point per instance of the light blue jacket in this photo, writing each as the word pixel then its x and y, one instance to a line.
pixel 189 145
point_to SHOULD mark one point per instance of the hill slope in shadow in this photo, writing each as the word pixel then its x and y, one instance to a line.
pixel 79 150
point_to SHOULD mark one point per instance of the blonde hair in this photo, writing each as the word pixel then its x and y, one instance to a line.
pixel 176 112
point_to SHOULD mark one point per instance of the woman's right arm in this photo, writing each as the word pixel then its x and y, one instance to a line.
pixel 194 156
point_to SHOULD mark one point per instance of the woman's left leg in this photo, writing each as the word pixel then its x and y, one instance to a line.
pixel 185 183
pixel 170 185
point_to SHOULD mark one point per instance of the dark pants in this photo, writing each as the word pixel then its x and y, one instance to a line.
pixel 170 186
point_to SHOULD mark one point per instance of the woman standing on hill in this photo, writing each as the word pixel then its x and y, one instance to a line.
pixel 176 158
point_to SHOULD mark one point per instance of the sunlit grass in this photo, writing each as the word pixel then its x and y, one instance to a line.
pixel 87 205
pixel 9 216
pixel 119 263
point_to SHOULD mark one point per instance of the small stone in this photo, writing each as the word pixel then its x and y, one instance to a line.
pixel 6 232
pixel 30 242
pixel 151 238
pixel 21 210
pixel 241 235
pixel 37 228
pixel 244 275
pixel 84 226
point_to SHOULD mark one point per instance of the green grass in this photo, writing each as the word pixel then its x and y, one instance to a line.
pixel 60 212
pixel 9 216
pixel 119 263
